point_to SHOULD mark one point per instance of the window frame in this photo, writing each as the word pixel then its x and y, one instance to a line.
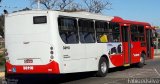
pixel 140 36
pixel 103 30
pixel 112 32
pixel 91 29
pixel 43 19
pixel 69 31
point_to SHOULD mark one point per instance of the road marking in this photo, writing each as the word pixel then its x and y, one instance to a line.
pixel 157 72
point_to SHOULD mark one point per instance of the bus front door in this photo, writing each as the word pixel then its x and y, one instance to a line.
pixel 126 43
pixel 149 42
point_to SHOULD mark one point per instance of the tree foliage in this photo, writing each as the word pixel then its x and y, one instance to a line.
pixel 95 6
pixel 49 4
pixel 2 25
pixel 56 4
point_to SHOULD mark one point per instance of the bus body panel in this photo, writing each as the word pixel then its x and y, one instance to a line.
pixel 88 60
pixel 135 52
pixel 115 54
pixel 137 48
pixel 28 44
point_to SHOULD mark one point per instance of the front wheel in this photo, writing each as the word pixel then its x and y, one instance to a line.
pixel 142 61
pixel 102 67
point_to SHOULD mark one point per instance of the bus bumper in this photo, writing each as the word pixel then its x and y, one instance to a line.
pixel 51 68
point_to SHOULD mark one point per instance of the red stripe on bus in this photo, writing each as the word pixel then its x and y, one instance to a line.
pixel 52 67
pixel 117 59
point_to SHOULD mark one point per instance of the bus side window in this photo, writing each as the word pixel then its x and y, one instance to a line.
pixel 110 37
pixel 68 30
pixel 114 32
pixel 64 37
pixel 103 38
pixel 101 31
pixel 86 31
pixel 137 33
pixel 134 33
pixel 72 38
pixel 89 38
pixel 141 33
pixel 82 34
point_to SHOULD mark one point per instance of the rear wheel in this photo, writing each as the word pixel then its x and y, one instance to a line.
pixel 102 67
pixel 142 61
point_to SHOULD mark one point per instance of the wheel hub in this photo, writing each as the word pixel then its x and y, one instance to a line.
pixel 104 67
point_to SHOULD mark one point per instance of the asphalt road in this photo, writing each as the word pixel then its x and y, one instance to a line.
pixel 149 74
pixel 121 75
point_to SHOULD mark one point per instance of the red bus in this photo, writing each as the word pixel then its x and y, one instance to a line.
pixel 137 41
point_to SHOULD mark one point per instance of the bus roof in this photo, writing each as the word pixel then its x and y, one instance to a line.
pixel 120 20
pixel 81 14
pixel 86 15
pixel 78 14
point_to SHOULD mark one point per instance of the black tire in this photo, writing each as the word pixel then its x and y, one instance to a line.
pixel 142 61
pixel 102 67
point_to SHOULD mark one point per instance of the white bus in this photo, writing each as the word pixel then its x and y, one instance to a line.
pixel 54 42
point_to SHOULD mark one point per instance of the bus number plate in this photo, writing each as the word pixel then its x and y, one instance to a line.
pixel 28 61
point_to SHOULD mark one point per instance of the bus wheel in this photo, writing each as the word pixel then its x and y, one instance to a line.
pixel 102 67
pixel 142 61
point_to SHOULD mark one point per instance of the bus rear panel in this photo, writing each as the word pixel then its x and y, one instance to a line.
pixel 28 43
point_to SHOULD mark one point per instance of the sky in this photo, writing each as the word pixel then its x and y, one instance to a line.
pixel 137 10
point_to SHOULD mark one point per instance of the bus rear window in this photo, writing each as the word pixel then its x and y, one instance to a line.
pixel 39 19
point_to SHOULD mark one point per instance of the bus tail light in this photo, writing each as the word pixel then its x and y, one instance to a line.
pixel 51 52
pixel 51 48
pixel 6 53
pixel 52 57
